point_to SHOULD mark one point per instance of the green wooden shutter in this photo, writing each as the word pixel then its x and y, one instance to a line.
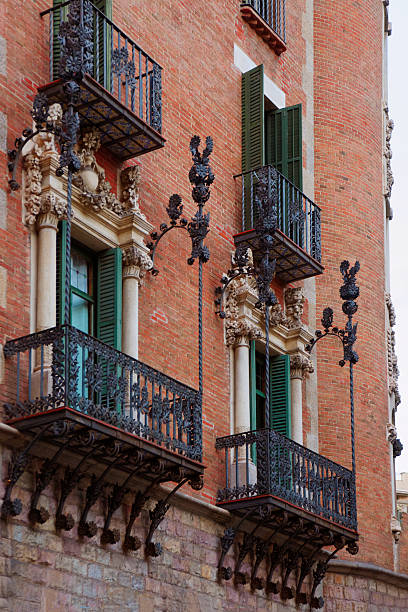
pixel 252 98
pixel 59 15
pixel 61 272
pixel 109 297
pixel 283 142
pixel 280 403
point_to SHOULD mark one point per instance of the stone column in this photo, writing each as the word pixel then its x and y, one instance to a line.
pixel 135 264
pixel 300 366
pixel 50 212
pixel 242 421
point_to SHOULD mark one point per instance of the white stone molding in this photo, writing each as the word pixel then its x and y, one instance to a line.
pixel 393 371
pixel 389 127
pixel 294 301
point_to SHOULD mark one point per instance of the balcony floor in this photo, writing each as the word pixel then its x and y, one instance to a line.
pixel 127 443
pixel 253 505
pixel 292 262
pixel 122 132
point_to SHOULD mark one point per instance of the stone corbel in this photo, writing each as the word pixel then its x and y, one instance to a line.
pixel 391 309
pixel 300 366
pixel 135 263
pixel 294 301
pixel 396 528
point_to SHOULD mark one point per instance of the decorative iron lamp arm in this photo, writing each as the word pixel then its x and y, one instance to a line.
pixel 201 177
pixel 349 292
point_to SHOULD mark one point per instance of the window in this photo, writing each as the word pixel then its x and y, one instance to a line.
pixel 270 136
pixel 96 290
pixel 279 385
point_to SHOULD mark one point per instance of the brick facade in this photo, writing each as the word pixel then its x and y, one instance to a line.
pixel 333 66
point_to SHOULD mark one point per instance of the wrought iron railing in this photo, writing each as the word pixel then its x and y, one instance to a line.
pixel 113 59
pixel 63 366
pixel 297 216
pixel 271 11
pixel 264 462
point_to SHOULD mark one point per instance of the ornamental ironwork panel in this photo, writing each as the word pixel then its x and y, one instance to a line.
pixel 82 40
pixel 63 366
pixel 264 462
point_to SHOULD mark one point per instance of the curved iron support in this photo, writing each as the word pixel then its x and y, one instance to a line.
pixel 245 547
pixel 43 479
pixel 93 492
pixel 226 542
pixel 71 479
pixel 320 572
pixel 18 463
pixel 261 552
pixel 111 536
pixel 154 549
pixel 278 556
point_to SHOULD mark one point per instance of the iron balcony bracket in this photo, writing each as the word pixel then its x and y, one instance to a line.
pixel 72 476
pixel 17 467
pixel 227 540
pixel 94 491
pixel 261 550
pixel 320 572
pixel 115 499
pixel 43 479
pixel 245 547
pixel 154 549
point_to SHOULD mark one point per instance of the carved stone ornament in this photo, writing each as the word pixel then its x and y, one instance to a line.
pixel 294 301
pixel 393 371
pixel 237 326
pixel 391 310
pixel 389 126
pixel 300 366
pixel 130 181
pixel 391 432
pixel 135 263
pixel 396 528
pixel 41 146
pixel 96 191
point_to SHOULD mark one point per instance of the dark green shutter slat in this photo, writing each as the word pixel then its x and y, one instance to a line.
pixel 109 298
pixel 102 38
pixel 59 15
pixel 61 272
pixel 253 119
pixel 283 135
pixel 280 394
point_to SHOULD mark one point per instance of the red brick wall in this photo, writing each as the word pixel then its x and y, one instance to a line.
pixel 348 187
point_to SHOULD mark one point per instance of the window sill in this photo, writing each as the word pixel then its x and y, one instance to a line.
pixel 263 29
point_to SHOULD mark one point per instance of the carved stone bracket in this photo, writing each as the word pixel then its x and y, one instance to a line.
pixel 300 366
pixel 393 371
pixel 130 181
pixel 135 263
pixel 294 301
pixel 389 178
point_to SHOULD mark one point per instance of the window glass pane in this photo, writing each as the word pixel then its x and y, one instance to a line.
pixel 80 315
pixel 80 272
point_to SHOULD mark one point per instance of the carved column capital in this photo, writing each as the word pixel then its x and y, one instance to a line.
pixel 241 333
pixel 135 263
pixel 300 366
pixel 50 211
pixel 294 301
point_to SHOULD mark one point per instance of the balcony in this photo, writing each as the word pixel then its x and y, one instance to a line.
pixel 294 502
pixel 297 238
pixel 120 84
pixel 268 18
pixel 75 394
